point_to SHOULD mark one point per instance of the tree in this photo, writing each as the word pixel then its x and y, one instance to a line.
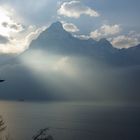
pixel 2 125
pixel 3 134
pixel 43 135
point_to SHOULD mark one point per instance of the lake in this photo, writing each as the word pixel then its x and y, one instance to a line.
pixel 72 120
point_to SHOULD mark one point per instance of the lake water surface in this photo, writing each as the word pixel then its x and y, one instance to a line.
pixel 72 120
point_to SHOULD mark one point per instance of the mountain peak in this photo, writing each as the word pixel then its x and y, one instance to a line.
pixel 56 27
pixel 104 42
pixel 57 24
pixel 55 31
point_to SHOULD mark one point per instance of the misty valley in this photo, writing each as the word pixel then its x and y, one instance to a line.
pixel 86 70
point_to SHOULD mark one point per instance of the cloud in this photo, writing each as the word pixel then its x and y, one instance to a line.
pixel 9 21
pixel 82 37
pixel 134 34
pixel 12 27
pixel 20 42
pixel 112 33
pixel 124 41
pixel 70 27
pixel 105 31
pixel 35 15
pixel 14 36
pixel 3 39
pixel 74 9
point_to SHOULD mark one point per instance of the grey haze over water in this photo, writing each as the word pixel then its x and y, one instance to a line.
pixel 72 120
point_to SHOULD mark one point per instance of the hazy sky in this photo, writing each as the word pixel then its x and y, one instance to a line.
pixel 21 21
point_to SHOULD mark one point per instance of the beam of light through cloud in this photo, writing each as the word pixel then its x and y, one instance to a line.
pixel 52 68
pixel 63 73
pixel 45 62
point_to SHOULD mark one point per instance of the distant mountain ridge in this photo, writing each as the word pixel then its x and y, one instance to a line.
pixel 55 36
pixel 31 76
pixel 57 40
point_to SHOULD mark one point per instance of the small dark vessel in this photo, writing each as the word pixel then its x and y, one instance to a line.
pixel 2 80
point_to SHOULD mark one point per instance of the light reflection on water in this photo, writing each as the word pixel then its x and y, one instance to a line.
pixel 72 121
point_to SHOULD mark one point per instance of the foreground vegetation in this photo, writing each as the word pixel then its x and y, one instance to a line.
pixel 41 135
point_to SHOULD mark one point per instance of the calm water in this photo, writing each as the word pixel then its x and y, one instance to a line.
pixel 72 121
